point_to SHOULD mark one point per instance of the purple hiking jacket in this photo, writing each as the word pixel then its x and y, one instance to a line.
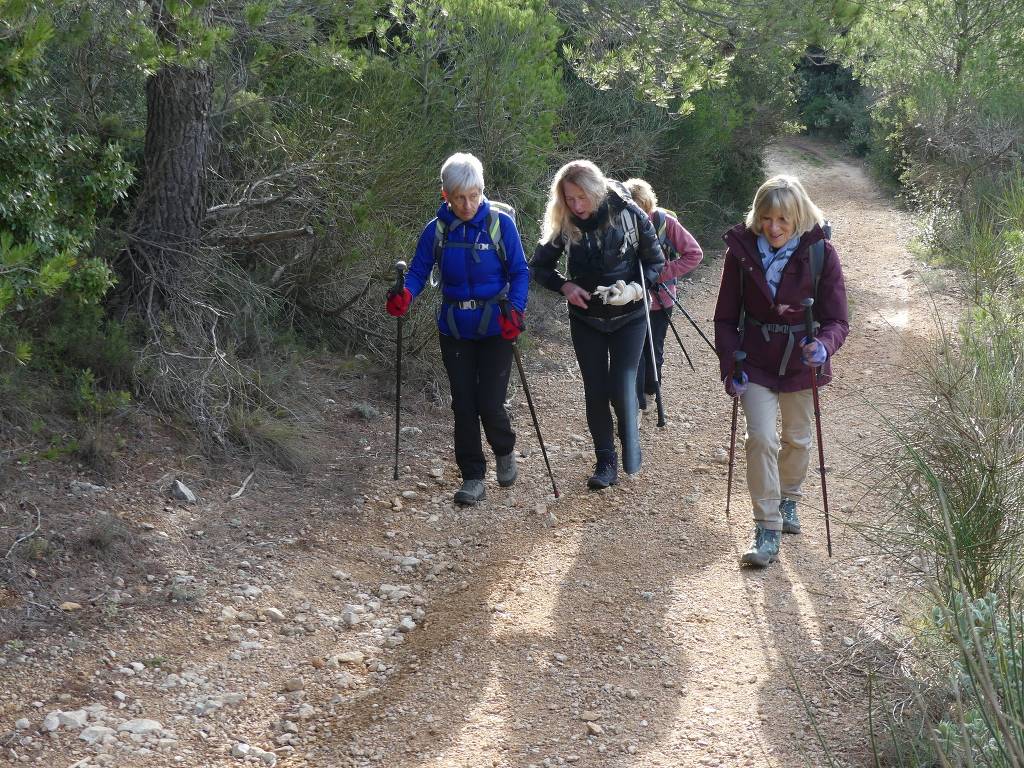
pixel 742 261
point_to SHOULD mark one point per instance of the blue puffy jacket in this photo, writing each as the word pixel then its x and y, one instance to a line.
pixel 470 273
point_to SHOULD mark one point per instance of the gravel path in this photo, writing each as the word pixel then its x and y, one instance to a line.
pixel 601 629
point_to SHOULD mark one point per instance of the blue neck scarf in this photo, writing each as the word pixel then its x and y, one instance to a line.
pixel 774 261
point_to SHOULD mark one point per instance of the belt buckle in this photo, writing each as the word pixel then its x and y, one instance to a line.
pixel 471 304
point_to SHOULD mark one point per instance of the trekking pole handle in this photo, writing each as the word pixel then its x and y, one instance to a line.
pixel 808 305
pixel 400 269
pixel 737 364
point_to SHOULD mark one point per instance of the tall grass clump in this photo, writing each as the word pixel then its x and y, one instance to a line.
pixel 956 478
pixel 959 477
pixel 956 485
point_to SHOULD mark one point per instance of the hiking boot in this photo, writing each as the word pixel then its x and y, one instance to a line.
pixel 606 472
pixel 790 521
pixel 471 492
pixel 506 469
pixel 764 549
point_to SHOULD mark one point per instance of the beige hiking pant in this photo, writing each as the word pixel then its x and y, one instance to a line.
pixel 776 464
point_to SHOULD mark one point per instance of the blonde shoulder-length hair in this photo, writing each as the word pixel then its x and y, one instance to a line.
pixel 786 195
pixel 557 216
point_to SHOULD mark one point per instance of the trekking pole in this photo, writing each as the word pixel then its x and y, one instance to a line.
pixel 398 287
pixel 737 374
pixel 650 344
pixel 676 334
pixel 533 413
pixel 808 304
pixel 687 316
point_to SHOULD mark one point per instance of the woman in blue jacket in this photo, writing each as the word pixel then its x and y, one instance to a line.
pixel 484 279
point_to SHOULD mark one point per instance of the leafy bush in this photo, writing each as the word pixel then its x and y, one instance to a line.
pixel 832 103
pixel 52 188
pixel 55 187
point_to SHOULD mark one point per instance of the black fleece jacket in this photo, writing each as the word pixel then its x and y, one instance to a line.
pixel 597 258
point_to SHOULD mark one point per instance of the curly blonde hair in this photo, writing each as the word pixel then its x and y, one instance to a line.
pixel 557 216
pixel 642 193
pixel 786 195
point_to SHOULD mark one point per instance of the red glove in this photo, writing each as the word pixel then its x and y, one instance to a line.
pixel 398 302
pixel 511 324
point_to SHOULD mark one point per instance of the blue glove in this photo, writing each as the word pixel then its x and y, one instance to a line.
pixel 816 355
pixel 736 387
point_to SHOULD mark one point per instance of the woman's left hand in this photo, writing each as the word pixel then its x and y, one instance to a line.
pixel 813 353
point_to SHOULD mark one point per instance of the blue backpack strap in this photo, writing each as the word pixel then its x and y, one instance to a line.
pixel 498 245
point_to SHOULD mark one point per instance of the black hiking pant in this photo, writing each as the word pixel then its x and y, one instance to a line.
pixel 608 364
pixel 645 373
pixel 478 372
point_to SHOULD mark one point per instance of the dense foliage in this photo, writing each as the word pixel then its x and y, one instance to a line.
pixel 314 132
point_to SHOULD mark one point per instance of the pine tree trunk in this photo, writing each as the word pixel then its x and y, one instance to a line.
pixel 169 213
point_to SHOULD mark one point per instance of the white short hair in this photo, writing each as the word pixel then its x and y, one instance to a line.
pixel 462 171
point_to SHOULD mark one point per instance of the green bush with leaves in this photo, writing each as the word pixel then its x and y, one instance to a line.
pixel 54 189
pixel 832 103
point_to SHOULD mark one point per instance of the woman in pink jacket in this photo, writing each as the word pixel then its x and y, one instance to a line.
pixel 682 255
pixel 769 271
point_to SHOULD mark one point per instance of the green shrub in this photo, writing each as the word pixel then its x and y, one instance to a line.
pixel 961 476
pixel 832 103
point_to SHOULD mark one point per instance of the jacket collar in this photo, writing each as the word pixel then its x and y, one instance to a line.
pixel 445 214
pixel 743 243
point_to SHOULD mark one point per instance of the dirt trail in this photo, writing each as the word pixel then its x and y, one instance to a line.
pixel 602 629
pixel 631 612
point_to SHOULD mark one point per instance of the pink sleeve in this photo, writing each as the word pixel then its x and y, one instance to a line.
pixel 689 250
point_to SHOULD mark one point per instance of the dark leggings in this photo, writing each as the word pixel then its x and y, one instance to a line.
pixel 478 373
pixel 645 372
pixel 608 363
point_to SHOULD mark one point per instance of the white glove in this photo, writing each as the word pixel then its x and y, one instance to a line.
pixel 627 293
pixel 607 292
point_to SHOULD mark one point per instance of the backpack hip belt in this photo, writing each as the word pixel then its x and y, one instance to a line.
pixel 769 328
pixel 817 251
pixel 487 305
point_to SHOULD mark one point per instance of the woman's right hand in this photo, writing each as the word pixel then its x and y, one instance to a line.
pixel 398 302
pixel 575 295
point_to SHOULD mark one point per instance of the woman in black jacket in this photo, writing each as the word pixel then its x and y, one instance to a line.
pixel 609 239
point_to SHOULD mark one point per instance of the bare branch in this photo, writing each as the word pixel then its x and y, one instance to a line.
pixel 25 536
pixel 269 237
pixel 245 482
pixel 225 209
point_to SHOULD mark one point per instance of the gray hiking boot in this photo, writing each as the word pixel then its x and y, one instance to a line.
pixel 764 549
pixel 606 472
pixel 471 492
pixel 790 521
pixel 506 469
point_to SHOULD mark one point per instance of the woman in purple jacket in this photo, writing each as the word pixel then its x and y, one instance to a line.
pixel 682 255
pixel 769 271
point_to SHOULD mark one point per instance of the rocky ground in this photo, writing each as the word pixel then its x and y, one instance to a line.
pixel 342 618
